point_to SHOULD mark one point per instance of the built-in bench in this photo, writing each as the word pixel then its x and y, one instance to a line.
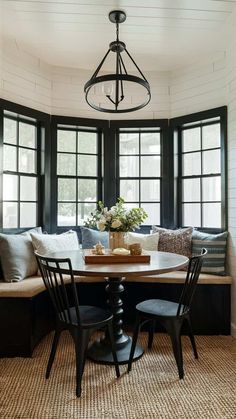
pixel 26 313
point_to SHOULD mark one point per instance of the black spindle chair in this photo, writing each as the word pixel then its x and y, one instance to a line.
pixel 171 315
pixel 80 321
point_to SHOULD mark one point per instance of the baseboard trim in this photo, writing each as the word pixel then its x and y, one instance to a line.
pixel 233 330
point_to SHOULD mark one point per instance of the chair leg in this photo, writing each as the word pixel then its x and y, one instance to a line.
pixel 151 334
pixel 53 351
pixel 134 341
pixel 81 343
pixel 191 337
pixel 174 332
pixel 113 348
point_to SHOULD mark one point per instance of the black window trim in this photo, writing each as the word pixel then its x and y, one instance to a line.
pixel 176 125
pixel 170 188
pixel 41 121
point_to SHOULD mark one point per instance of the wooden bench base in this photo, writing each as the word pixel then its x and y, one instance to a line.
pixel 23 323
pixel 26 313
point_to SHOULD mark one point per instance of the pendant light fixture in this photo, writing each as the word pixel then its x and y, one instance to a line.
pixel 113 92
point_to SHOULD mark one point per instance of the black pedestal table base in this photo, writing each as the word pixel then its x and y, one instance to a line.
pixel 100 351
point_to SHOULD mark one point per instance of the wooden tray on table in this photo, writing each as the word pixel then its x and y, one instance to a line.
pixel 109 257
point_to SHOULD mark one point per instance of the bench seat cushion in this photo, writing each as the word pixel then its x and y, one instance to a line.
pixel 34 285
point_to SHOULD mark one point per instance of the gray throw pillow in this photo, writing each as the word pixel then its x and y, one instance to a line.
pixel 17 256
pixel 91 237
pixel 216 244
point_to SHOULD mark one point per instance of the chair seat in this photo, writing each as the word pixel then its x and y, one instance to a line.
pixel 90 315
pixel 158 307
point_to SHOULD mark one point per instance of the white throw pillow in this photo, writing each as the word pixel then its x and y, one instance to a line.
pixel 49 243
pixel 147 241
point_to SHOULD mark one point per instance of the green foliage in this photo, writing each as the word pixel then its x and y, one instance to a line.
pixel 117 218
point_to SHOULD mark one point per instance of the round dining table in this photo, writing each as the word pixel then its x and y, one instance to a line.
pixel 115 274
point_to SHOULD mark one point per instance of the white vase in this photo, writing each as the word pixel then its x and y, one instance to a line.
pixel 117 239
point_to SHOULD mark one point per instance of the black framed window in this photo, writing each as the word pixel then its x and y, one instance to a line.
pixel 21 171
pixel 139 170
pixel 78 174
pixel 202 181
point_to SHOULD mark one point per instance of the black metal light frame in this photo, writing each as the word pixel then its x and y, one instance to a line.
pixel 121 75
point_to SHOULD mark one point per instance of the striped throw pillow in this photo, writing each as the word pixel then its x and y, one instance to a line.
pixel 214 261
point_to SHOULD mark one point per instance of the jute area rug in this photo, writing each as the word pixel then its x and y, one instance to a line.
pixel 151 390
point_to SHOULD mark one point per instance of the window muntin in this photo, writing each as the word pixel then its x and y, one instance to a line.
pixel 140 171
pixel 20 172
pixel 78 174
pixel 201 174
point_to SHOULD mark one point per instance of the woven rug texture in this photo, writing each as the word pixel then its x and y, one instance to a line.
pixel 151 390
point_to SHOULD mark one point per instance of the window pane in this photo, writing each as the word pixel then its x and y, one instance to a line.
pixel 191 164
pixel 87 142
pixel 66 215
pixel 131 205
pixel 211 136
pixel 150 190
pixel 211 162
pixel 66 190
pixel 10 186
pixel 191 215
pixel 27 135
pixel 191 190
pixel 211 189
pixel 28 215
pixel 66 164
pixel 87 165
pixel 66 141
pixel 150 166
pixel 129 143
pixel 153 211
pixel 212 215
pixel 10 210
pixel 150 143
pixel 28 188
pixel 9 158
pixel 9 133
pixel 87 190
pixel 129 166
pixel 129 190
pixel 84 211
pixel 27 160
pixel 191 139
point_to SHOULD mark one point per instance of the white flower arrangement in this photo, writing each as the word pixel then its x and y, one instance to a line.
pixel 117 218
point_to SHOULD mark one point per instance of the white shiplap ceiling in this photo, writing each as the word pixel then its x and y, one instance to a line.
pixel 160 34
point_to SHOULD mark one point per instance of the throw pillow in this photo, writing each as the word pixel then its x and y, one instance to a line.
pixel 17 256
pixel 214 262
pixel 147 241
pixel 175 241
pixel 91 237
pixel 49 243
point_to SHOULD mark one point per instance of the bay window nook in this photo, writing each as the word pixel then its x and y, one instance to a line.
pixel 117 209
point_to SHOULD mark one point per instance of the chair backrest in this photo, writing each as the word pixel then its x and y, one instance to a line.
pixel 56 274
pixel 194 269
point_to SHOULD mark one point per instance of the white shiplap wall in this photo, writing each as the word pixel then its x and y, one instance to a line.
pixel 199 87
pixel 25 78
pixel 231 101
pixel 68 96
pixel 28 81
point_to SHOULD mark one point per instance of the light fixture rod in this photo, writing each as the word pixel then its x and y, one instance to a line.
pixel 124 68
pixel 100 65
pixel 127 52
